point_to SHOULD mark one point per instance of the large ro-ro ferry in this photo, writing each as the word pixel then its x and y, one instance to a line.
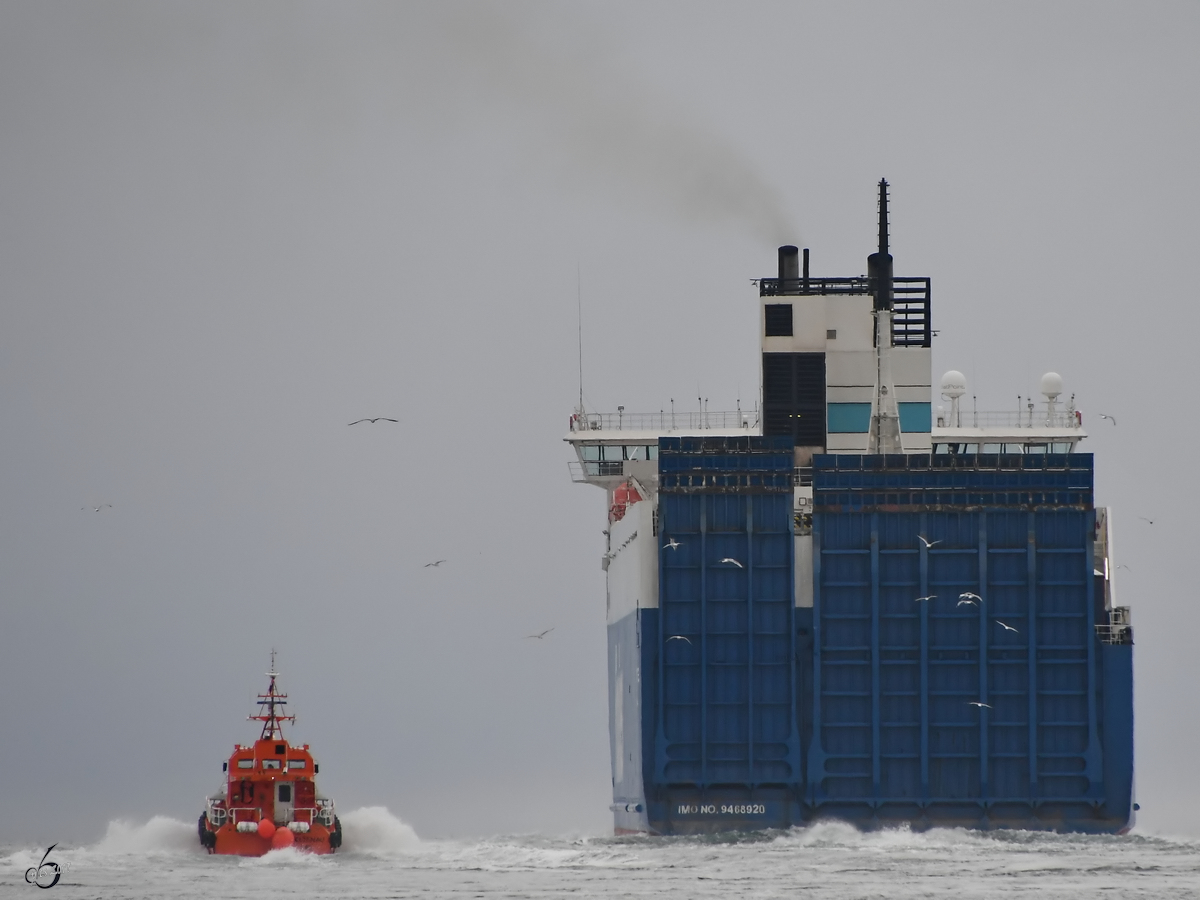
pixel 853 603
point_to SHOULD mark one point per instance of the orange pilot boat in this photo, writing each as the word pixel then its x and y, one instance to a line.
pixel 269 799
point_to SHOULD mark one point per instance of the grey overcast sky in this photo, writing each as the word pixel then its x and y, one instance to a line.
pixel 229 229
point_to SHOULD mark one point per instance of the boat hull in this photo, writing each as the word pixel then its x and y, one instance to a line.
pixel 231 842
pixel 227 840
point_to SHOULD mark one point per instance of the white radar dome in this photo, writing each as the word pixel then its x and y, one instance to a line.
pixel 1052 384
pixel 954 384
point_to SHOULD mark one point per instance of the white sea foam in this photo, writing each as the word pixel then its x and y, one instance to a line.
pixel 161 834
pixel 284 857
pixel 374 831
pixel 382 855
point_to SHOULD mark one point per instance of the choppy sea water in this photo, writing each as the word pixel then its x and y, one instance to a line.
pixel 384 858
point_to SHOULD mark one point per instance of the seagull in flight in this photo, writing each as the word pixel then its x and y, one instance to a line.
pixel 672 544
pixel 376 419
pixel 435 564
pixel 928 543
pixel 979 703
pixel 1112 419
pixel 678 637
pixel 930 597
pixel 97 508
pixel 540 636
pixel 1007 627
pixel 732 561
pixel 968 597
pixel 1144 519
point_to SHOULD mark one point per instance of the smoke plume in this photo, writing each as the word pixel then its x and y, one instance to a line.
pixel 613 130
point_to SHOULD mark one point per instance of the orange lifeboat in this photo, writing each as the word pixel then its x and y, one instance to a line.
pixel 269 799
pixel 624 497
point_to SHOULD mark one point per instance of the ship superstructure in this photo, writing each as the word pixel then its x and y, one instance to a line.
pixel 852 604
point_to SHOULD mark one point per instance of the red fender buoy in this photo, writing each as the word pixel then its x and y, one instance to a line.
pixel 266 828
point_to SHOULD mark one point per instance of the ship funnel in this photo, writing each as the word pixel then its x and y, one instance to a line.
pixel 789 263
pixel 879 264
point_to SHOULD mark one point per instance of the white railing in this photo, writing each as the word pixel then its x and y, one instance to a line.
pixel 581 472
pixel 322 814
pixel 665 421
pixel 1060 418
pixel 256 814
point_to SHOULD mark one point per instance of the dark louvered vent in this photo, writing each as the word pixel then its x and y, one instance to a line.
pixel 794 397
pixel 778 319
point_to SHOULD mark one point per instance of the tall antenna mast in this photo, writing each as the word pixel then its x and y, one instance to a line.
pixel 579 310
pixel 885 419
pixel 273 703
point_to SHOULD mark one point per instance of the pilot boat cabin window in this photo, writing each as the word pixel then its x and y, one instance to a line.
pixel 296 764
pixel 245 764
pixel 285 793
pixel 271 763
pixel 280 749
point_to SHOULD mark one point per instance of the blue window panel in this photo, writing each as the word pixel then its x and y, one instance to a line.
pixel 915 417
pixel 851 418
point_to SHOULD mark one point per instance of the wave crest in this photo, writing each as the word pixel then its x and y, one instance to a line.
pixel 161 834
pixel 374 830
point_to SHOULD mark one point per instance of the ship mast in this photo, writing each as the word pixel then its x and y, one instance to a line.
pixel 273 702
pixel 885 415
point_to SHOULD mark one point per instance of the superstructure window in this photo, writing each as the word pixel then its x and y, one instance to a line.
pixel 778 319
pixel 271 764
pixel 297 764
pixel 245 764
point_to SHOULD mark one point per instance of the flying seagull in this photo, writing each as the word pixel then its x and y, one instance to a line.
pixel 928 543
pixel 979 704
pixel 540 636
pixel 968 597
pixel 930 597
pixel 732 561
pixel 678 637
pixel 1144 519
pixel 672 544
pixel 376 419
pixel 434 564
pixel 1007 627
pixel 96 508
pixel 1112 419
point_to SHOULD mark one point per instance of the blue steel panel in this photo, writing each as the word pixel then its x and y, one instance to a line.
pixel 896 679
pixel 726 711
pixel 1118 728
pixel 727 677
